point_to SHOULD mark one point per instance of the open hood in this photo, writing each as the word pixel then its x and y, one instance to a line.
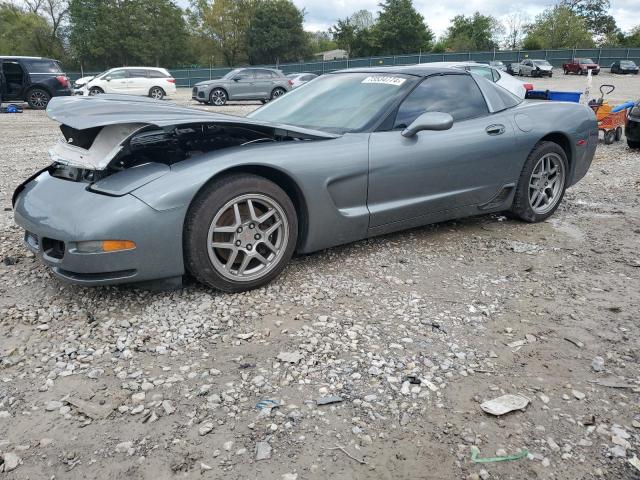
pixel 84 112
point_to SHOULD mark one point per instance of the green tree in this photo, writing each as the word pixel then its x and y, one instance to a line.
pixel 632 39
pixel 320 42
pixel 596 15
pixel 475 32
pixel 26 33
pixel 356 34
pixel 559 27
pixel 226 23
pixel 401 29
pixel 276 34
pixel 109 33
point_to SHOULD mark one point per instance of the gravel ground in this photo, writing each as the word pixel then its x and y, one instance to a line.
pixel 372 360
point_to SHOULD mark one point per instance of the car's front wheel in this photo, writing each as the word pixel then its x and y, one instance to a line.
pixel 156 93
pixel 95 91
pixel 240 232
pixel 218 97
pixel 542 183
pixel 38 99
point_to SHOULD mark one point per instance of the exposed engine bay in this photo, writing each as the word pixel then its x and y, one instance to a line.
pixel 92 154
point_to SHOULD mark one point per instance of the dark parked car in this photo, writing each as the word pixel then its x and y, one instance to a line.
pixel 34 80
pixel 624 66
pixel 632 130
pixel 243 84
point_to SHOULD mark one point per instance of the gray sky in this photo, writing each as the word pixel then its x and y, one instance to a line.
pixel 321 14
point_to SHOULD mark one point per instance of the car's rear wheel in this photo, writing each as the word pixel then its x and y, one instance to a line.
pixel 609 137
pixel 95 91
pixel 618 134
pixel 218 97
pixel 633 144
pixel 566 72
pixel 542 183
pixel 240 232
pixel 277 92
pixel 156 93
pixel 38 99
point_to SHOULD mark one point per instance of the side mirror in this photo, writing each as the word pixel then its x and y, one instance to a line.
pixel 429 121
pixel 239 77
pixel 108 79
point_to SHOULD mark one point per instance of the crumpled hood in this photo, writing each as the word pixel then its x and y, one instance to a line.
pixel 82 112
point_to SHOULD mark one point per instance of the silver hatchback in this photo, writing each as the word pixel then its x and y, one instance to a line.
pixel 243 84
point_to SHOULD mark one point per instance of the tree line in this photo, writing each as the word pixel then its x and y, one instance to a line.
pixel 95 34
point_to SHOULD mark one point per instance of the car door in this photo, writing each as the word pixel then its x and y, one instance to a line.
pixel 115 82
pixel 137 81
pixel 437 171
pixel 14 80
pixel 242 86
pixel 264 83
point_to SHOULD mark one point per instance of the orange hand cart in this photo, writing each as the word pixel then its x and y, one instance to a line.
pixel 609 122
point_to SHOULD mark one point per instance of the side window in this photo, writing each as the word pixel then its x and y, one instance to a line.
pixel 485 72
pixel 116 74
pixel 137 73
pixel 156 74
pixel 457 95
pixel 495 74
pixel 246 75
pixel 274 75
pixel 263 74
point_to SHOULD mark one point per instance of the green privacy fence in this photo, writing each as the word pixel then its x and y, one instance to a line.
pixel 604 56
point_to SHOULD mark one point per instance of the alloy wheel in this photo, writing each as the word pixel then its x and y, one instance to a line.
pixel 247 237
pixel 157 93
pixel 278 92
pixel 218 97
pixel 546 183
pixel 38 99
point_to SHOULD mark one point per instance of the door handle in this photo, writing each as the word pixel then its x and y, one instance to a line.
pixel 496 129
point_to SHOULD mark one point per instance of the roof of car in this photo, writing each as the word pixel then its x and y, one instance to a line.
pixel 17 57
pixel 420 70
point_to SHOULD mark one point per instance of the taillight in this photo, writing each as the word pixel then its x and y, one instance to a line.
pixel 528 86
pixel 171 80
pixel 64 81
pixel 290 82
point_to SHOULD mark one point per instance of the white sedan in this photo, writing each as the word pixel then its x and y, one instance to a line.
pixel 492 73
pixel 148 81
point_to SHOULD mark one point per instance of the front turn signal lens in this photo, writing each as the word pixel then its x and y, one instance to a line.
pixel 115 245
pixel 101 246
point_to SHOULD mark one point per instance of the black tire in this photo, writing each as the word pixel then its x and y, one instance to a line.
pixel 157 93
pixel 95 91
pixel 609 137
pixel 38 98
pixel 521 206
pixel 264 101
pixel 618 136
pixel 277 92
pixel 633 144
pixel 203 211
pixel 218 97
pixel 566 72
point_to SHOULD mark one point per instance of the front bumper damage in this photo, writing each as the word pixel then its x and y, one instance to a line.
pixel 57 213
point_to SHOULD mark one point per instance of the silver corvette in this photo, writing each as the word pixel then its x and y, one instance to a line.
pixel 142 191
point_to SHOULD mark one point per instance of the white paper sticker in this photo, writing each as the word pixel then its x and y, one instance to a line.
pixel 385 79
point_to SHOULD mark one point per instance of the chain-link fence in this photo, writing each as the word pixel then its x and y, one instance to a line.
pixel 188 77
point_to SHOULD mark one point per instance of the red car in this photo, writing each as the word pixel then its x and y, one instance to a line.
pixel 581 66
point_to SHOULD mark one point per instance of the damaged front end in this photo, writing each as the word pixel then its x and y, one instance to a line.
pixel 106 135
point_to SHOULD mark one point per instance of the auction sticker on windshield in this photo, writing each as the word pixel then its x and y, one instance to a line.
pixel 386 80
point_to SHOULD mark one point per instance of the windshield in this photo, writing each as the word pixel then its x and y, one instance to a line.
pixel 586 60
pixel 627 63
pixel 542 63
pixel 338 103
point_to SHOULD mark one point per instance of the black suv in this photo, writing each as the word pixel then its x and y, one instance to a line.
pixel 32 79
